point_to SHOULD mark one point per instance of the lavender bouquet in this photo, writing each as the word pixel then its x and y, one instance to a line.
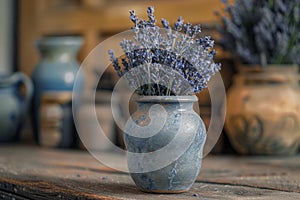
pixel 262 31
pixel 165 61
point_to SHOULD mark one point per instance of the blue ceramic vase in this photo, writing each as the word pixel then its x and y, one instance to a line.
pixel 13 108
pixel 53 80
pixel 164 140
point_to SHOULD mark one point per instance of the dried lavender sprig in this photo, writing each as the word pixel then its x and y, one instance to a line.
pixel 133 17
pixel 126 65
pixel 195 30
pixel 190 58
pixel 187 28
pixel 262 32
pixel 196 77
pixel 205 42
pixel 127 45
pixel 115 62
pixel 165 24
pixel 178 24
pixel 151 17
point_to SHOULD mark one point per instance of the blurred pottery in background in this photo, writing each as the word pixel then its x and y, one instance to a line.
pixel 222 144
pixel 263 111
pixel 14 105
pixel 53 80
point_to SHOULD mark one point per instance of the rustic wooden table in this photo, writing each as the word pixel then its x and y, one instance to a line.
pixel 30 172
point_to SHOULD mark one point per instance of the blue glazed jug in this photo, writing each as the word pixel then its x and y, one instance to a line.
pixel 53 79
pixel 14 105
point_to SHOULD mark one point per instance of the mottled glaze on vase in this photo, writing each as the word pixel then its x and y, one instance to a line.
pixel 179 175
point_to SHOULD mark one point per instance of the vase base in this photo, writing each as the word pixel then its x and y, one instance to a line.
pixel 164 191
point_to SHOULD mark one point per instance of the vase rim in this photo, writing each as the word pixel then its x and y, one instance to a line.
pixel 166 99
pixel 60 40
pixel 6 80
pixel 269 67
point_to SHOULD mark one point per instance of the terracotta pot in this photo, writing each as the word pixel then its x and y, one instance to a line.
pixel 263 111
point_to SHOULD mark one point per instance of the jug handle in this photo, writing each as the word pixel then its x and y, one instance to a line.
pixel 20 77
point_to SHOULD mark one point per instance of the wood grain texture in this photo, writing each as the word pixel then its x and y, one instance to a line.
pixel 278 173
pixel 28 172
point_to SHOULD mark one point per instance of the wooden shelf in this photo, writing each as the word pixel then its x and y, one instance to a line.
pixel 94 18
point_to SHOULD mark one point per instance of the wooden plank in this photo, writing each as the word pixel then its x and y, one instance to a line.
pixel 33 189
pixel 279 173
pixel 8 196
pixel 42 173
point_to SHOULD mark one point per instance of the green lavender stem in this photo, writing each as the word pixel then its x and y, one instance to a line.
pixel 149 79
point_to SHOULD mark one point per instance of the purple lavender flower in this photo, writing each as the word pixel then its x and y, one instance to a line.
pixel 166 63
pixel 196 30
pixel 165 24
pixel 261 32
pixel 187 28
pixel 178 24
pixel 115 62
pixel 133 17
pixel 151 17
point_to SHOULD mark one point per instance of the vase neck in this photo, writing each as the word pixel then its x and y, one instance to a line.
pixel 270 75
pixel 57 55
pixel 179 106
pixel 61 49
pixel 270 69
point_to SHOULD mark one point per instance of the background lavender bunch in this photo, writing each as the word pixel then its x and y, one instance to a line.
pixel 262 31
pixel 166 61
